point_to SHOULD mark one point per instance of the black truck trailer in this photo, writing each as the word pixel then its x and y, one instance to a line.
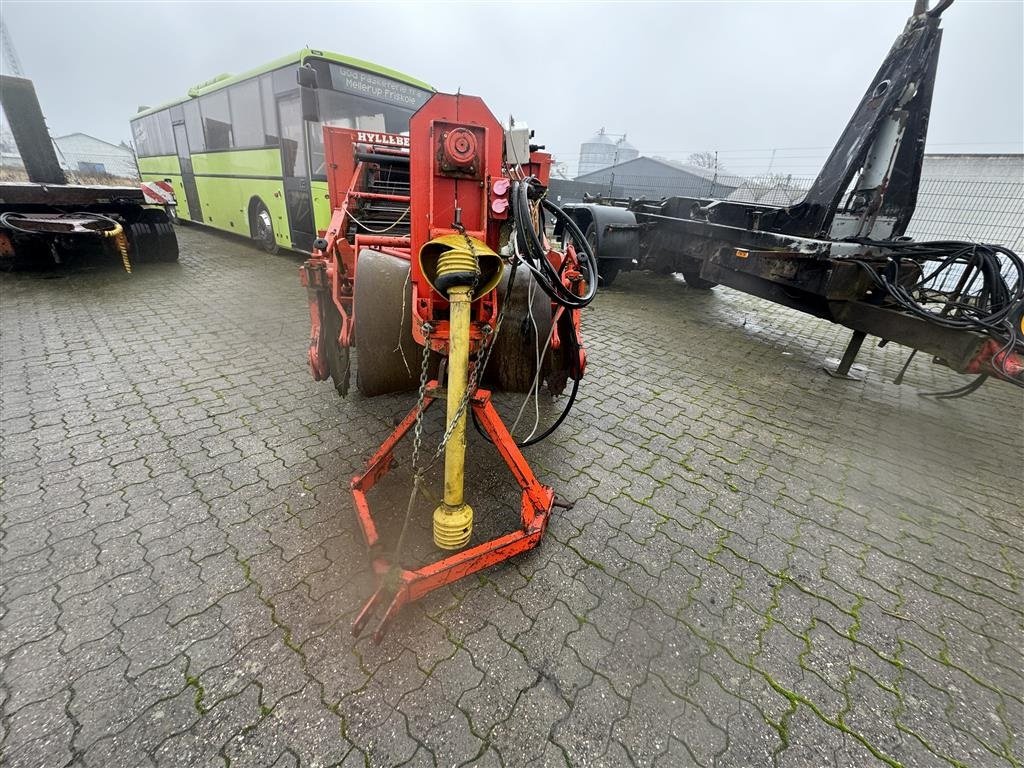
pixel 840 253
pixel 45 218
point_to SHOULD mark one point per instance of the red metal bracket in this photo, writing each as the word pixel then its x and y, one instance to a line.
pixel 398 586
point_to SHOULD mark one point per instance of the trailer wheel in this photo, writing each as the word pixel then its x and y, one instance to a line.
pixel 262 227
pixel 694 280
pixel 163 229
pixel 607 269
pixel 151 237
pixel 387 357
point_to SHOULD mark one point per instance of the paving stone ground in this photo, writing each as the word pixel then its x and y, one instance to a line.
pixel 763 567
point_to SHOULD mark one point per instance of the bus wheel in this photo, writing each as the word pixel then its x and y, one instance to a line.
pixel 263 228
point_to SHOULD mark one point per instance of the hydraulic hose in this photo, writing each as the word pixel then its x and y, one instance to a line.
pixel 994 308
pixel 535 254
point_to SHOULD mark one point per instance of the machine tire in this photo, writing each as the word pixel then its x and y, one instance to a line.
pixel 387 357
pixel 141 241
pixel 262 227
pixel 693 280
pixel 607 269
pixel 338 357
pixel 166 241
pixel 513 362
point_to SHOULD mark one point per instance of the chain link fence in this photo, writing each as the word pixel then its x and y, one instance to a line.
pixel 116 167
pixel 986 211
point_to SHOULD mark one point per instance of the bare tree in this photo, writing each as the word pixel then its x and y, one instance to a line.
pixel 771 180
pixel 704 159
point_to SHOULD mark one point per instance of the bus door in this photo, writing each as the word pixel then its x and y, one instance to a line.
pixel 295 167
pixel 188 179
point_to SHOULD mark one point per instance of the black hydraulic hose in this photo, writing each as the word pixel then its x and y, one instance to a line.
pixel 558 422
pixel 535 254
pixel 995 309
pixel 998 301
pixel 547 432
pixel 550 279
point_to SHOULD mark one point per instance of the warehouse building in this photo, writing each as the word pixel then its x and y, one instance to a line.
pixel 971 197
pixel 83 154
pixel 655 177
pixel 651 178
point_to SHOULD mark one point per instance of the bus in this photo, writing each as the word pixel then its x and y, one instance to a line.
pixel 245 153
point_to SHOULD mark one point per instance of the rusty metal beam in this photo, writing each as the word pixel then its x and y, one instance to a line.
pixel 28 125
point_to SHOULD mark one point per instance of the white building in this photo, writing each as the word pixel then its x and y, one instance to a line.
pixel 80 153
pixel 602 150
pixel 971 197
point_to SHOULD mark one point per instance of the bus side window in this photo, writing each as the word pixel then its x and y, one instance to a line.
pixel 153 135
pixel 164 132
pixel 141 137
pixel 194 127
pixel 293 156
pixel 216 120
pixel 246 114
pixel 270 134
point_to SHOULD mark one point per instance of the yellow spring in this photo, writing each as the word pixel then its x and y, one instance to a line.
pixel 122 245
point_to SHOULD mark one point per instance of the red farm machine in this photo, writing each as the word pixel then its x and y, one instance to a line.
pixel 431 266
pixel 44 218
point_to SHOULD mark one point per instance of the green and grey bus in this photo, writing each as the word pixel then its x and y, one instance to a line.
pixel 242 159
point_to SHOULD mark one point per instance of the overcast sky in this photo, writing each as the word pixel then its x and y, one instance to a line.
pixel 738 77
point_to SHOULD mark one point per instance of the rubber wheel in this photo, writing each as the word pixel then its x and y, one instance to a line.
pixel 262 227
pixel 338 362
pixel 151 238
pixel 608 270
pixel 163 230
pixel 697 283
pixel 141 241
pixel 513 362
pixel 387 357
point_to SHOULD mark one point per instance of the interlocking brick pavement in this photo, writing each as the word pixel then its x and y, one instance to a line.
pixel 764 566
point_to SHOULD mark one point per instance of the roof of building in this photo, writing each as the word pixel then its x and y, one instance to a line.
pixel 770 193
pixel 989 155
pixel 720 177
pixel 1007 168
pixel 86 135
pixel 600 138
pixel 224 80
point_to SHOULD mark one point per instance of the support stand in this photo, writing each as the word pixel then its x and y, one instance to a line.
pixel 398 586
pixel 842 369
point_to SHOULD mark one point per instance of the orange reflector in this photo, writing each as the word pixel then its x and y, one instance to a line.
pixel 742 254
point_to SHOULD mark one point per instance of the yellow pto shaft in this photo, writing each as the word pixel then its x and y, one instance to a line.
pixel 453 518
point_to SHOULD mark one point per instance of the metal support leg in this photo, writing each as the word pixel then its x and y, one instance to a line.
pixel 842 369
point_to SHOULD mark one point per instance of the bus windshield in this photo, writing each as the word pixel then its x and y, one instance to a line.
pixel 352 98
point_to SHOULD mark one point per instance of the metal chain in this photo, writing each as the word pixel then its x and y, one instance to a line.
pixel 417 434
pixel 471 384
pixel 417 439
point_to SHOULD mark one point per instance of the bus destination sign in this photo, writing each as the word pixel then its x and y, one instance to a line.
pixel 377 87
